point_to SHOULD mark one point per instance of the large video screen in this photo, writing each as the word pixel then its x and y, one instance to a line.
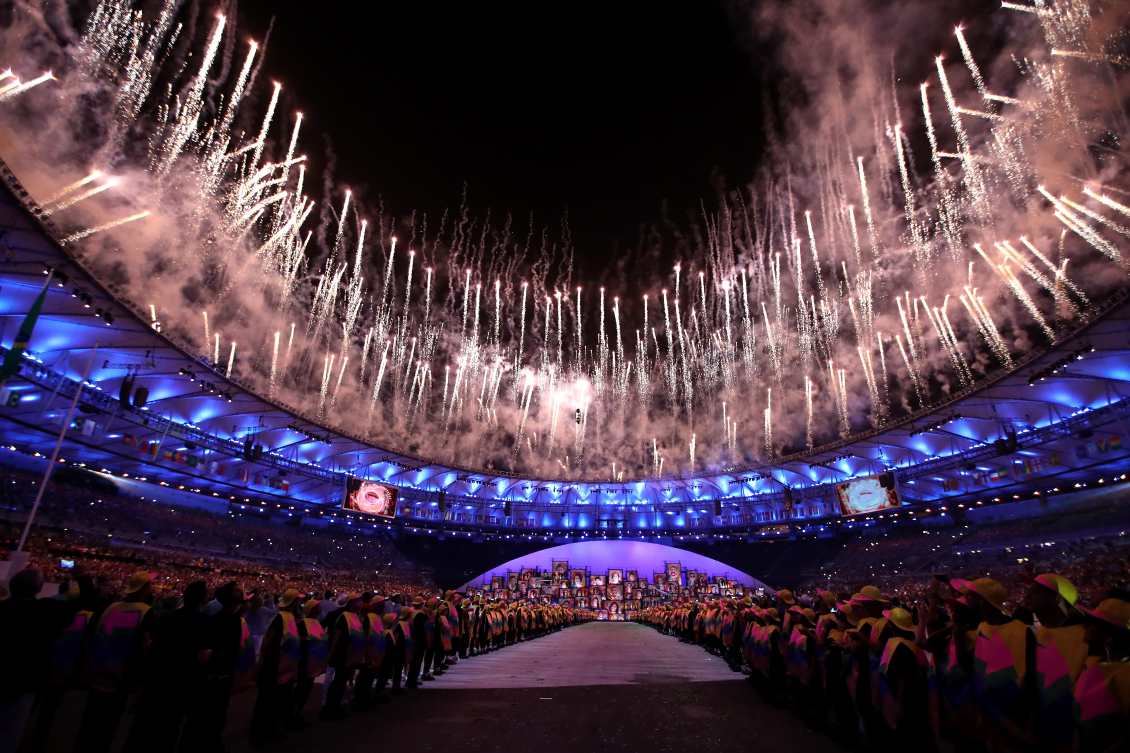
pixel 870 494
pixel 370 498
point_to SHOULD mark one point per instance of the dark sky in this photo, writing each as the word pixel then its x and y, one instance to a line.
pixel 605 109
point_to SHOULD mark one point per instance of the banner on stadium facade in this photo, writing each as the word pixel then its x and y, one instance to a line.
pixel 153 450
pixel 1102 446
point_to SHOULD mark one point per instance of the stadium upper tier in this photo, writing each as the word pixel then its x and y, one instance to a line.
pixel 152 410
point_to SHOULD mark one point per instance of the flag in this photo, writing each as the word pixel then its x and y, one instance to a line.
pixel 11 365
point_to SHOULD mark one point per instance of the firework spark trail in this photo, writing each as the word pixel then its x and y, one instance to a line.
pixel 335 249
pixel 1120 229
pixel 70 187
pixel 1079 294
pixel 1052 285
pixel 1092 57
pixel 912 362
pixel 845 419
pixel 18 88
pixel 921 253
pixel 139 70
pixel 947 327
pixel 73 199
pixel 86 233
pixel 881 380
pixel 1076 224
pixel 561 332
pixel 1087 233
pixel 380 377
pixel 872 235
pixel 188 115
pixel 475 325
pixel 947 205
pixel 768 414
pixel 985 324
pixel 971 174
pixel 327 374
pixel 869 377
pixel 808 412
pixel 1104 199
pixel 934 314
pixel 274 365
pixel 1025 8
pixel 255 211
pixel 265 128
pixel 232 105
pixel 354 296
pixel 497 312
pixel 909 369
pixel 1018 289
pixel 672 385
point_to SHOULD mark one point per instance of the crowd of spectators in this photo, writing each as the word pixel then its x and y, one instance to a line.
pixel 157 668
pixel 112 535
pixel 1006 658
pixel 987 638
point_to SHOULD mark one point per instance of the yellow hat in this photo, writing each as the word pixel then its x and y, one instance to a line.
pixel 786 596
pixel 288 598
pixel 870 593
pixel 991 591
pixel 847 609
pixel 138 581
pixel 1059 585
pixel 1113 611
pixel 900 618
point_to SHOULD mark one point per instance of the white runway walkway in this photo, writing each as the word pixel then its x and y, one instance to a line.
pixel 597 653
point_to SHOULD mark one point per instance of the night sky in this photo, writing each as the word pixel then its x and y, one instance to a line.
pixel 606 110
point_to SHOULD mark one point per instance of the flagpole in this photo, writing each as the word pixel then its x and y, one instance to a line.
pixel 55 452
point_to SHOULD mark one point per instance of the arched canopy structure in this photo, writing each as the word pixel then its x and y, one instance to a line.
pixel 598 557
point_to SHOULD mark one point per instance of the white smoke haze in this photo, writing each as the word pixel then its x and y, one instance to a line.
pixel 758 307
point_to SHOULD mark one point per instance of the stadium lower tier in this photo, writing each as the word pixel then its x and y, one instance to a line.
pixel 1007 628
pixel 945 663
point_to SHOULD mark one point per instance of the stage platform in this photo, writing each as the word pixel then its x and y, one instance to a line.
pixel 597 653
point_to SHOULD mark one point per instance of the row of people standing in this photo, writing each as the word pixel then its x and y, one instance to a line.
pixel 177 670
pixel 960 669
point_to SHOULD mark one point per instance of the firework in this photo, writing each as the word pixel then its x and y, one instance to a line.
pixel 83 234
pixel 791 282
